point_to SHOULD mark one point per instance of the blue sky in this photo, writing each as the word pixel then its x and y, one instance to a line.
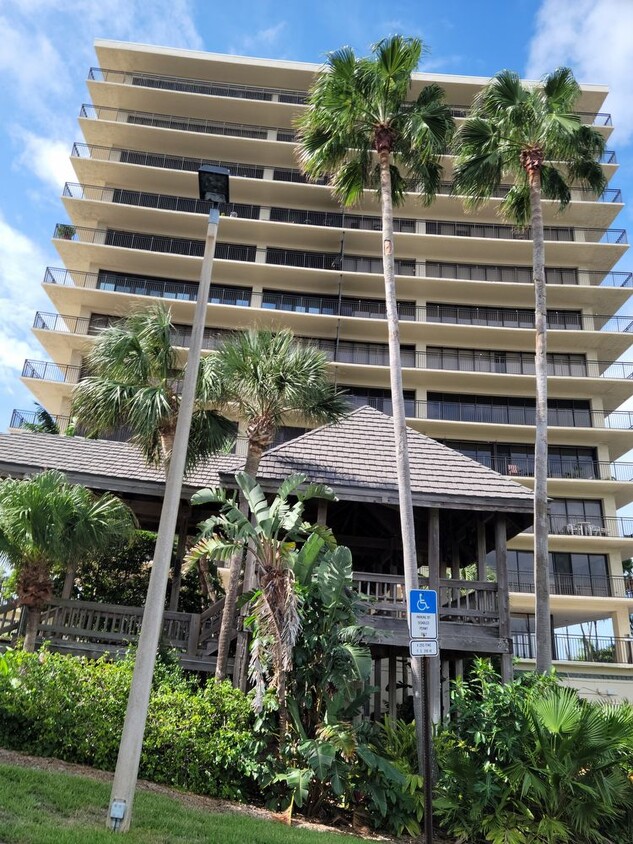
pixel 47 51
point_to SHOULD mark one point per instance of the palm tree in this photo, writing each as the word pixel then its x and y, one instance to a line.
pixel 362 130
pixel 47 523
pixel 267 379
pixel 272 536
pixel 533 135
pixel 134 382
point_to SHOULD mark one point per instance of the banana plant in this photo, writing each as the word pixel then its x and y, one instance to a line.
pixel 282 543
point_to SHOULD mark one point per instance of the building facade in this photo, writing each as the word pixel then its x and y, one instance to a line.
pixel 287 255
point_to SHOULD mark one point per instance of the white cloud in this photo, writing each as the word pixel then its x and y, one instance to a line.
pixel 260 42
pixel 47 158
pixel 21 267
pixel 594 37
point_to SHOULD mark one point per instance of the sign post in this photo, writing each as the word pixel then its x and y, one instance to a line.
pixel 423 630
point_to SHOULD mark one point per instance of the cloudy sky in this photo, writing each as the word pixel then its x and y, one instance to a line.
pixel 47 51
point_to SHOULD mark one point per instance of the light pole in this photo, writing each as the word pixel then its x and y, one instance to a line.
pixel 214 187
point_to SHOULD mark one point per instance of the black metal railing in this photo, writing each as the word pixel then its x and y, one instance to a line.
pixel 521 363
pixel 576 234
pixel 332 306
pixel 42 370
pixel 614 526
pixel 493 414
pixel 599 586
pixel 524 275
pixel 146 286
pixel 163 160
pixel 186 124
pixel 163 202
pixel 607 649
pixel 197 86
pixel 592 118
pixel 559 467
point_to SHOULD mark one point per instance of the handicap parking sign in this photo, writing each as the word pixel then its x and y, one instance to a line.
pixel 423 613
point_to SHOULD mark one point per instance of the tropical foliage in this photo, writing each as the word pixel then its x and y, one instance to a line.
pixel 529 762
pixel 267 379
pixel 134 381
pixel 532 137
pixel 46 525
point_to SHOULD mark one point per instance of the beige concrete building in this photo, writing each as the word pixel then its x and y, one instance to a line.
pixel 287 255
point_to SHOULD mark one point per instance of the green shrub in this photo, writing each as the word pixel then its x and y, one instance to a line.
pixel 529 762
pixel 73 708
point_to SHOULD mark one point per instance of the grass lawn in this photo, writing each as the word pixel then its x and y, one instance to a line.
pixel 44 807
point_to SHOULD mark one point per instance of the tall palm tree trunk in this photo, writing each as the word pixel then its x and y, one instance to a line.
pixel 407 523
pixel 541 519
pixel 69 581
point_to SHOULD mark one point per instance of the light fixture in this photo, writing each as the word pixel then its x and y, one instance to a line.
pixel 213 183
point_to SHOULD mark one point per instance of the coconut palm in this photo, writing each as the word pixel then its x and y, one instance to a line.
pixel 272 537
pixel 134 382
pixel 267 380
pixel 46 523
pixel 532 135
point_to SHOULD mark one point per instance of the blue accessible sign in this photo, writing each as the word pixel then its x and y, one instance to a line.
pixel 423 614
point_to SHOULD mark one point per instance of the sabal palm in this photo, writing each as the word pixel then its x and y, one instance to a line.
pixel 267 380
pixel 362 130
pixel 135 376
pixel 532 135
pixel 272 538
pixel 46 523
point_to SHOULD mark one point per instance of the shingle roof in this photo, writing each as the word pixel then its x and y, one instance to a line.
pixel 355 456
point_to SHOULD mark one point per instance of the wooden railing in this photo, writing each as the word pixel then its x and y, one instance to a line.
pixel 10 617
pixel 463 601
pixel 86 625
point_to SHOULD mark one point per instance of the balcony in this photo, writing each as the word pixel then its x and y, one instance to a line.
pixel 342 220
pixel 594 526
pixel 253 92
pixel 607 649
pixel 41 370
pixel 576 584
pixel 560 468
pixel 186 124
pixel 196 86
pixel 147 286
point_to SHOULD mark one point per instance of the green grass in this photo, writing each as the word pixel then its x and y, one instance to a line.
pixel 41 807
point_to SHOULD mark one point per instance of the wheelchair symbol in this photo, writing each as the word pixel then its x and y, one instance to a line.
pixel 422 605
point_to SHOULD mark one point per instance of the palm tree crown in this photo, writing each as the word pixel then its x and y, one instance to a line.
pixel 135 377
pixel 529 133
pixel 269 378
pixel 360 106
pixel 532 135
pixel 48 524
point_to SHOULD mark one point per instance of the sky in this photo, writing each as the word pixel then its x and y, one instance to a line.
pixel 47 50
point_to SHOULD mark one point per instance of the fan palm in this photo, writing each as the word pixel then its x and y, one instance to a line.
pixel 267 379
pixel 362 131
pixel 134 382
pixel 272 538
pixel 533 135
pixel 47 524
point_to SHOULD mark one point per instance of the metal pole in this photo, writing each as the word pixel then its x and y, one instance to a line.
pixel 428 758
pixel 126 773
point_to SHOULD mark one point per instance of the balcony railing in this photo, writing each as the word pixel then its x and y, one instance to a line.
pixel 138 285
pixel 576 584
pixel 162 160
pixel 617 526
pixel 197 86
pixel 489 414
pixel 520 363
pixel 253 92
pixel 46 371
pixel 560 467
pixel 607 649
pixel 186 124
pixel 331 220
